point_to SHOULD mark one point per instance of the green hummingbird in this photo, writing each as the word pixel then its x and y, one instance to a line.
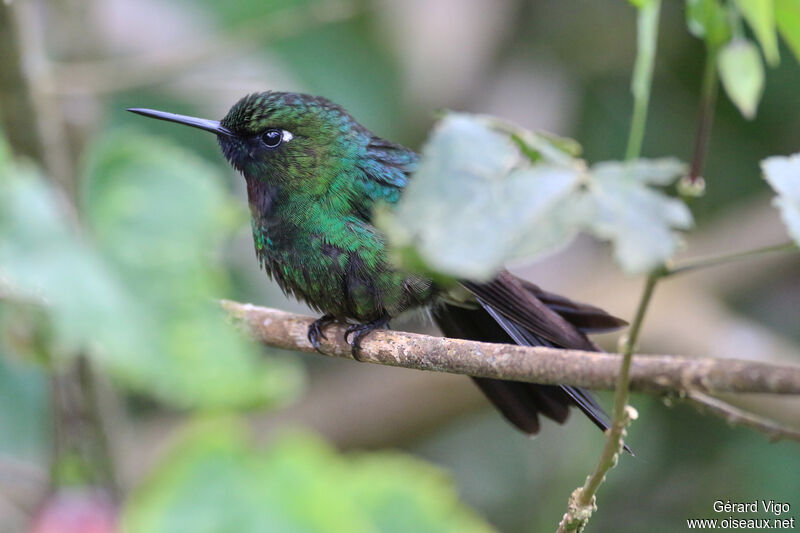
pixel 314 175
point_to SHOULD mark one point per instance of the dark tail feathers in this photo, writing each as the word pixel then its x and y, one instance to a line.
pixel 522 403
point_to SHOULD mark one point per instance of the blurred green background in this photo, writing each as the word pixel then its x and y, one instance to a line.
pixel 563 67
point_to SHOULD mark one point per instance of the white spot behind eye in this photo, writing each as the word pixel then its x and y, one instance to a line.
pixel 286 136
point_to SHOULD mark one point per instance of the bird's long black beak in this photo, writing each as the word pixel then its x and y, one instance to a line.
pixel 201 123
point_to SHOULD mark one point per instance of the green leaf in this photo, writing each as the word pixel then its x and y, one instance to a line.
pixel 540 145
pixel 639 220
pixel 760 15
pixel 468 211
pixel 158 215
pixel 138 297
pixel 787 17
pixel 660 172
pixel 742 75
pixel 707 20
pixel 43 256
pixel 214 482
pixel 783 174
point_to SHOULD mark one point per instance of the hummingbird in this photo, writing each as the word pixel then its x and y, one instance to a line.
pixel 314 175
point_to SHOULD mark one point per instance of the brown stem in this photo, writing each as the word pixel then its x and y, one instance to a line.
pixel 708 96
pixel 102 457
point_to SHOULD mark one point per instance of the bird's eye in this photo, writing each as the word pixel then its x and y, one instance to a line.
pixel 272 138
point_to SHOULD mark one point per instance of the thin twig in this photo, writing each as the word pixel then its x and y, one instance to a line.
pixel 657 374
pixel 716 260
pixel 739 417
pixel 582 501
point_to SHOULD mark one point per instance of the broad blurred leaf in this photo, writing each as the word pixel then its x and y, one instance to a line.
pixel 783 174
pixel 659 172
pixel 245 11
pixel 140 300
pixel 24 409
pixel 468 211
pixel 43 256
pixel 760 15
pixel 787 17
pixel 545 141
pixel 639 220
pixel 742 75
pixel 708 20
pixel 474 200
pixel 537 146
pixel 159 214
pixel 214 482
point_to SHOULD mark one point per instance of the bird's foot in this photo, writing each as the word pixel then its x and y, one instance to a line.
pixel 358 331
pixel 315 332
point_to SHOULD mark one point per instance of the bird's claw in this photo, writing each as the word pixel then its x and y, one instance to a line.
pixel 359 331
pixel 315 330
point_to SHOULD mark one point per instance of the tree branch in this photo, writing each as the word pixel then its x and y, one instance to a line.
pixel 708 96
pixel 657 374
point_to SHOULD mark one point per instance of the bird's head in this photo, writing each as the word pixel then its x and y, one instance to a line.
pixel 286 139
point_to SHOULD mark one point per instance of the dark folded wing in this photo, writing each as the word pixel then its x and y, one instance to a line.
pixel 519 402
pixel 509 298
pixel 587 318
pixel 513 310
